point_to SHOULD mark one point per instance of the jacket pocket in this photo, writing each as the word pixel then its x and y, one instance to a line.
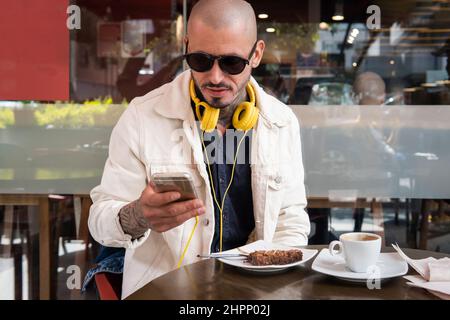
pixel 273 202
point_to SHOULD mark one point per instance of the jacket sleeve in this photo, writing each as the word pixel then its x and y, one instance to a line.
pixel 293 225
pixel 123 180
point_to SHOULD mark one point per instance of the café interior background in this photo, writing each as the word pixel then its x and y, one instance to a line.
pixel 381 168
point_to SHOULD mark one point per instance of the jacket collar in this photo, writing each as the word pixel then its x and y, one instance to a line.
pixel 176 102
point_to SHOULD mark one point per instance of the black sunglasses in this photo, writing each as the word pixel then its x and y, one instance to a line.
pixel 202 62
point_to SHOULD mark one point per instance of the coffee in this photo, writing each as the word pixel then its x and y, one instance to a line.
pixel 368 238
pixel 359 237
pixel 359 249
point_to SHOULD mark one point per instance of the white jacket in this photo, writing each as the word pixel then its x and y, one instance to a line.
pixel 158 133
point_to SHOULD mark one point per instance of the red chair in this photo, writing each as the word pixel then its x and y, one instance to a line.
pixel 109 285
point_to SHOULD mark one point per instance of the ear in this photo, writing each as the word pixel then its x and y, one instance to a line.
pixel 257 56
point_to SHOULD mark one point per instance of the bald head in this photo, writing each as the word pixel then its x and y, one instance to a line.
pixel 223 15
pixel 223 28
pixel 369 88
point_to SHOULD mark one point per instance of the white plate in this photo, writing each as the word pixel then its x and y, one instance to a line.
pixel 390 265
pixel 262 245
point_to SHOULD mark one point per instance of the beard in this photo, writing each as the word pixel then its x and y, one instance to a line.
pixel 218 103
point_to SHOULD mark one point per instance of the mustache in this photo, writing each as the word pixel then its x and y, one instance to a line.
pixel 216 86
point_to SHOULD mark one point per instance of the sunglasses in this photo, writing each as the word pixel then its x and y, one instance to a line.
pixel 202 62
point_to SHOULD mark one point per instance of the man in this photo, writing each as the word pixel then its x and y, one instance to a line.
pixel 444 51
pixel 369 89
pixel 268 200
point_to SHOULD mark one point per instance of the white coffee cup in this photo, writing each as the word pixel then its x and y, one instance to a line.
pixel 360 250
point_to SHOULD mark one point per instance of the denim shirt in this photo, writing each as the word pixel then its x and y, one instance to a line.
pixel 238 220
pixel 109 260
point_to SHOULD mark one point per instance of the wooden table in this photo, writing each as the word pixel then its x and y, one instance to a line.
pixel 45 256
pixel 211 279
pixel 46 265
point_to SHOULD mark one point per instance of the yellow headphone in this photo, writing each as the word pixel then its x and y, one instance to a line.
pixel 244 117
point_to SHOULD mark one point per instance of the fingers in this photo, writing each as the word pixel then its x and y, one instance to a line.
pixel 165 224
pixel 157 199
pixel 177 208
pixel 163 213
pixel 163 198
pixel 176 212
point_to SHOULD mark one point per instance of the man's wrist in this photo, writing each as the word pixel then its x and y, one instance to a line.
pixel 132 220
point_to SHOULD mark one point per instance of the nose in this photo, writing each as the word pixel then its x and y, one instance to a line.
pixel 216 74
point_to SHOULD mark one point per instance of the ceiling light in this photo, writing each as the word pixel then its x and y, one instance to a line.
pixel 263 15
pixel 337 18
pixel 270 29
pixel 339 11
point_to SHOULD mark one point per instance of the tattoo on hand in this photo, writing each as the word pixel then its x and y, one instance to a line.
pixel 132 220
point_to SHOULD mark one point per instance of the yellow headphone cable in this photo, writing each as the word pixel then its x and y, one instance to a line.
pixel 220 206
pixel 180 262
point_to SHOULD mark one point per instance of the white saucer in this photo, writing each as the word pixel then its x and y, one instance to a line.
pixel 262 245
pixel 390 265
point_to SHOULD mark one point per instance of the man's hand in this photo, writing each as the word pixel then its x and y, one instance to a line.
pixel 162 213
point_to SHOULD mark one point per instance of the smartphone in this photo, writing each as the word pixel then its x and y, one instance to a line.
pixel 181 182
